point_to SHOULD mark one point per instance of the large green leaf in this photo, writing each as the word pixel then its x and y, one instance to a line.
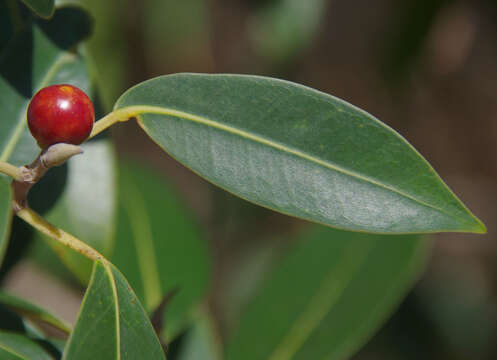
pixel 86 208
pixel 159 249
pixel 32 311
pixel 5 215
pixel 298 151
pixel 112 324
pixel 19 347
pixel 43 8
pixel 327 296
pixel 39 56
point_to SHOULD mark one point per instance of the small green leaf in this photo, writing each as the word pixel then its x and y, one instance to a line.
pixel 327 296
pixel 112 324
pixel 5 215
pixel 39 56
pixel 160 249
pixel 19 347
pixel 86 208
pixel 297 151
pixel 32 312
pixel 43 8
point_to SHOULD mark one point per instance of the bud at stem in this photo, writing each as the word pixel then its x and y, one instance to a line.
pixel 58 154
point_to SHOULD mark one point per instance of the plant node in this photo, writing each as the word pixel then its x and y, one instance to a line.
pixel 54 155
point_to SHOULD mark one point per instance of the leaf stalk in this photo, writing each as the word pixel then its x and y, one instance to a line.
pixel 116 116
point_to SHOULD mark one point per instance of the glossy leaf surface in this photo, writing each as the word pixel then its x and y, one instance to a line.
pixel 31 311
pixel 19 347
pixel 86 208
pixel 327 296
pixel 112 322
pixel 298 151
pixel 5 214
pixel 43 8
pixel 159 249
pixel 40 56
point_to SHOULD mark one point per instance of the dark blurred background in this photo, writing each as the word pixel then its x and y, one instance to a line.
pixel 427 68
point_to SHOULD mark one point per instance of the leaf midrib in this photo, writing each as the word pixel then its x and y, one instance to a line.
pixel 136 110
pixel 112 280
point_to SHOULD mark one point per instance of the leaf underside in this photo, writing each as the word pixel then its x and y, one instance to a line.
pixel 297 151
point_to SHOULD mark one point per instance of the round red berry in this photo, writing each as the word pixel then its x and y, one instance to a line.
pixel 60 114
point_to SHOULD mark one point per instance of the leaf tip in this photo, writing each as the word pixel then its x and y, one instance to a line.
pixel 480 227
pixel 476 226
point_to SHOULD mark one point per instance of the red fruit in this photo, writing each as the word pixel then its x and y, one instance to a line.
pixel 60 114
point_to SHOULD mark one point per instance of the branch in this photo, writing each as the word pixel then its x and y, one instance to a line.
pixel 40 224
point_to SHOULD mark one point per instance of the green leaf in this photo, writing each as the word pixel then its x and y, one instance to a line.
pixel 19 347
pixel 43 8
pixel 112 324
pixel 160 249
pixel 327 296
pixel 297 151
pixel 32 311
pixel 39 56
pixel 5 215
pixel 202 341
pixel 86 208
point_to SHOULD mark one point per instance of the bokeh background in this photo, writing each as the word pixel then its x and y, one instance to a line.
pixel 427 68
